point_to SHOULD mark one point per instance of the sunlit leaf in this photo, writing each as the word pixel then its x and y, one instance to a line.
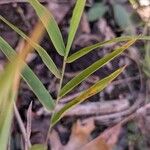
pixel 94 67
pixel 99 86
pixel 42 52
pixel 50 24
pixel 88 49
pixel 31 79
pixel 75 20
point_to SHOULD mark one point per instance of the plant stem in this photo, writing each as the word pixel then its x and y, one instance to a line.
pixel 22 128
pixel 61 80
pixel 59 88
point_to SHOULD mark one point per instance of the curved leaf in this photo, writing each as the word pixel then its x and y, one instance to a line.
pixel 31 79
pixel 77 13
pixel 41 51
pixel 94 67
pixel 88 49
pixel 99 86
pixel 50 24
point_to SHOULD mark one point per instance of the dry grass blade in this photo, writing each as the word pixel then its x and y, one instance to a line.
pixel 29 121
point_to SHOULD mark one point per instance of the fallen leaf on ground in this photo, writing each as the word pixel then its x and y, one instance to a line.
pixel 106 140
pixel 79 137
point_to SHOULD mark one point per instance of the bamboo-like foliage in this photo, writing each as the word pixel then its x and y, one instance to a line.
pixel 9 84
pixel 47 21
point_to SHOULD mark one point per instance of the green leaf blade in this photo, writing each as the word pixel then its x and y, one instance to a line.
pixel 8 92
pixel 41 51
pixel 5 120
pixel 38 88
pixel 50 24
pixel 99 86
pixel 88 49
pixel 94 67
pixel 31 79
pixel 48 61
pixel 77 13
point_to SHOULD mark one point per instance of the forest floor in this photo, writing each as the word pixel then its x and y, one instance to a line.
pixel 119 102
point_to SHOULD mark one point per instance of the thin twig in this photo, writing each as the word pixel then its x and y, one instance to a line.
pixel 123 114
pixel 61 80
pixel 29 121
pixel 70 97
pixel 22 128
pixel 93 108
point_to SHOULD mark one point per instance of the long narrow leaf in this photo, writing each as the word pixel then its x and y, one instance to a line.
pixel 5 119
pixel 50 24
pixel 77 13
pixel 99 86
pixel 9 84
pixel 88 49
pixel 31 79
pixel 41 51
pixel 9 81
pixel 94 67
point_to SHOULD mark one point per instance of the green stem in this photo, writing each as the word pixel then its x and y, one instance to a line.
pixel 59 88
pixel 61 80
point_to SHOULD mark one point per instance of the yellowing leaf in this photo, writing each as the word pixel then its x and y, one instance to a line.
pixel 99 86
pixel 94 67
